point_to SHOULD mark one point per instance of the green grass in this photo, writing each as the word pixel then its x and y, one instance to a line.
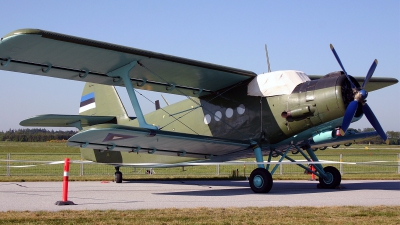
pixel 59 151
pixel 248 215
pixel 36 147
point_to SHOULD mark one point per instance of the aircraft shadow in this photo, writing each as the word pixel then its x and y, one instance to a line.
pixel 279 188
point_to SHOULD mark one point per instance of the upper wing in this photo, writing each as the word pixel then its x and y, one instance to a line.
pixel 58 55
pixel 374 83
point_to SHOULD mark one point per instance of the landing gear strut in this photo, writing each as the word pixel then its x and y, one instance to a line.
pixel 260 179
pixel 329 177
pixel 118 175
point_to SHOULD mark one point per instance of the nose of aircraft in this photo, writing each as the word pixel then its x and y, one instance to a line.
pixel 360 97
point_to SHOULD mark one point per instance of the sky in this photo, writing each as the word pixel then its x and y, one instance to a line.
pixel 229 33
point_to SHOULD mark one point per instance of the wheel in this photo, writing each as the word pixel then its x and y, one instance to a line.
pixel 323 148
pixel 348 144
pixel 261 180
pixel 333 178
pixel 118 177
pixel 315 149
pixel 335 146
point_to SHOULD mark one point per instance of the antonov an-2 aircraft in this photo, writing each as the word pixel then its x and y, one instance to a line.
pixel 228 114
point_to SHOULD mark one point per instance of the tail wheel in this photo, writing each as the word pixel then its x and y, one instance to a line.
pixel 261 180
pixel 118 177
pixel 333 178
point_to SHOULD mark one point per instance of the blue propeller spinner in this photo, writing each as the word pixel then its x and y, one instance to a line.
pixel 360 96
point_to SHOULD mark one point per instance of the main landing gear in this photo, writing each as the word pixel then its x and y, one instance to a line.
pixel 118 175
pixel 332 178
pixel 261 181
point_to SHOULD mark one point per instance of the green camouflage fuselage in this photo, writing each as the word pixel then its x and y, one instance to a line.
pixel 313 107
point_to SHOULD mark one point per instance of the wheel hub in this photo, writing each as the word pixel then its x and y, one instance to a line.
pixel 329 178
pixel 258 181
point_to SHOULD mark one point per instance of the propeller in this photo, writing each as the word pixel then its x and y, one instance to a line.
pixel 360 95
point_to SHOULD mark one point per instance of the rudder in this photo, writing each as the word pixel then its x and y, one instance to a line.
pixel 102 100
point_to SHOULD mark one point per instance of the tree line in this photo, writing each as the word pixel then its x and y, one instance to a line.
pixel 35 135
pixel 43 135
pixel 393 137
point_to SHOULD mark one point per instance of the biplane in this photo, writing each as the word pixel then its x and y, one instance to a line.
pixel 228 113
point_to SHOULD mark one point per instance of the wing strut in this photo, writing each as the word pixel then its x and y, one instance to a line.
pixel 123 72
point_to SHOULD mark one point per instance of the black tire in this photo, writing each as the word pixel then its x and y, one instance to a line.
pixel 348 144
pixel 261 180
pixel 335 146
pixel 333 178
pixel 323 148
pixel 118 177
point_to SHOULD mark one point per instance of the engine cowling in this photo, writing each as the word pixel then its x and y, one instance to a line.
pixel 316 102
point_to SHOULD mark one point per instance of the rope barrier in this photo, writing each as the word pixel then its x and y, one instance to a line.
pixel 285 162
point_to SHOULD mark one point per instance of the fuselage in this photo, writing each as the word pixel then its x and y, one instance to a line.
pixel 313 107
pixel 233 114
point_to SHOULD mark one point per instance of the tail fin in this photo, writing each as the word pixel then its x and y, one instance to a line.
pixel 102 100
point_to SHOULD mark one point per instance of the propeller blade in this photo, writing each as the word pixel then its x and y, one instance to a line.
pixel 348 116
pixel 370 72
pixel 374 122
pixel 341 65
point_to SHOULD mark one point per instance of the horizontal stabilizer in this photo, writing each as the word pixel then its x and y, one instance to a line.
pixel 147 141
pixel 78 121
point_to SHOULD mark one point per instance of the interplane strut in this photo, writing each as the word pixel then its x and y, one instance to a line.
pixel 123 72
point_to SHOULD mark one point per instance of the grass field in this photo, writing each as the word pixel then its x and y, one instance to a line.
pixel 36 147
pixel 46 151
pixel 248 215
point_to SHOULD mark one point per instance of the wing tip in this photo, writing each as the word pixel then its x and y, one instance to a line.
pixel 23 31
